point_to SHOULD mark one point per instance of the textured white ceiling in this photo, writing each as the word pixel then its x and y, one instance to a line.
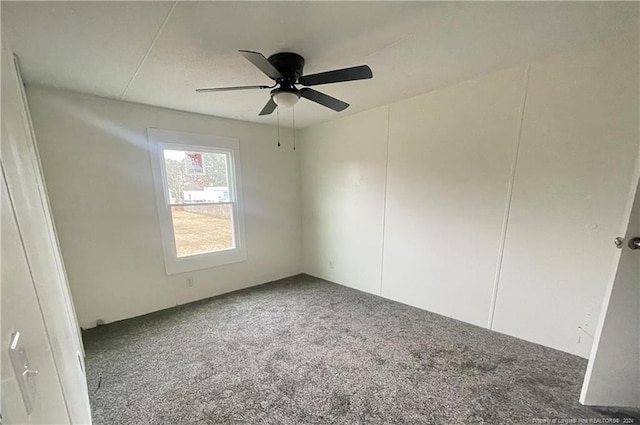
pixel 157 53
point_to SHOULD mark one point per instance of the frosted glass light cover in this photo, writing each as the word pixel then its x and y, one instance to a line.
pixel 285 99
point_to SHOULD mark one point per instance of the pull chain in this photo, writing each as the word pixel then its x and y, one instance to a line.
pixel 278 113
pixel 293 111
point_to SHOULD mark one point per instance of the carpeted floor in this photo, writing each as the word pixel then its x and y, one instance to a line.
pixel 306 351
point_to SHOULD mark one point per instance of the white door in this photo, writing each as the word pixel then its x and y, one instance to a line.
pixel 26 190
pixel 613 373
pixel 42 401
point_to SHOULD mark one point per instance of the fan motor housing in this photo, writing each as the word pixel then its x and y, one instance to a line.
pixel 289 64
pixel 285 89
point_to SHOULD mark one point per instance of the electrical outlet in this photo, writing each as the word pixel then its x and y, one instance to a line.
pixel 330 264
pixel 189 282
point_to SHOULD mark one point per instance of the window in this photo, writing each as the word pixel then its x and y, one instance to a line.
pixel 198 195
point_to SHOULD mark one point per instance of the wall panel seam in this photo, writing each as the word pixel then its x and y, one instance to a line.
pixel 507 207
pixel 384 199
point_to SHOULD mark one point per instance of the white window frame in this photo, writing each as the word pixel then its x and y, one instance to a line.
pixel 159 140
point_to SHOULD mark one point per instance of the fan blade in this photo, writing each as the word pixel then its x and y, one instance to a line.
pixel 268 108
pixel 323 99
pixel 361 72
pixel 208 90
pixel 261 63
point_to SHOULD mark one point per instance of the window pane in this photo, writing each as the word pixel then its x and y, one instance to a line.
pixel 194 177
pixel 202 228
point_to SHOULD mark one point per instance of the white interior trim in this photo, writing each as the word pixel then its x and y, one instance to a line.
pixel 159 140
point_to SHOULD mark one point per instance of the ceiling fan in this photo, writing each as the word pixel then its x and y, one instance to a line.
pixel 286 70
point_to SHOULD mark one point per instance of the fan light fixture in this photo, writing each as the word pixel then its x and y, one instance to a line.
pixel 285 69
pixel 286 99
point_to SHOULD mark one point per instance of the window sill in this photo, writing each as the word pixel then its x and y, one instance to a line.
pixel 204 261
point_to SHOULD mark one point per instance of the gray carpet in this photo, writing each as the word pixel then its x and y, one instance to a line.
pixel 306 351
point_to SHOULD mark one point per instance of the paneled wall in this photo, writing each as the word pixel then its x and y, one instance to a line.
pixel 450 159
pixel 578 150
pixel 95 157
pixel 493 201
pixel 343 198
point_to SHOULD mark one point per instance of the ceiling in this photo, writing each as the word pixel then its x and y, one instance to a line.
pixel 157 52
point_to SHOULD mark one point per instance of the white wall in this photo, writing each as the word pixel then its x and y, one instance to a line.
pixel 343 199
pixel 110 234
pixel 450 155
pixel 500 194
pixel 574 173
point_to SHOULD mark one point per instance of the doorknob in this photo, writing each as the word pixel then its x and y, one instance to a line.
pixel 634 243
